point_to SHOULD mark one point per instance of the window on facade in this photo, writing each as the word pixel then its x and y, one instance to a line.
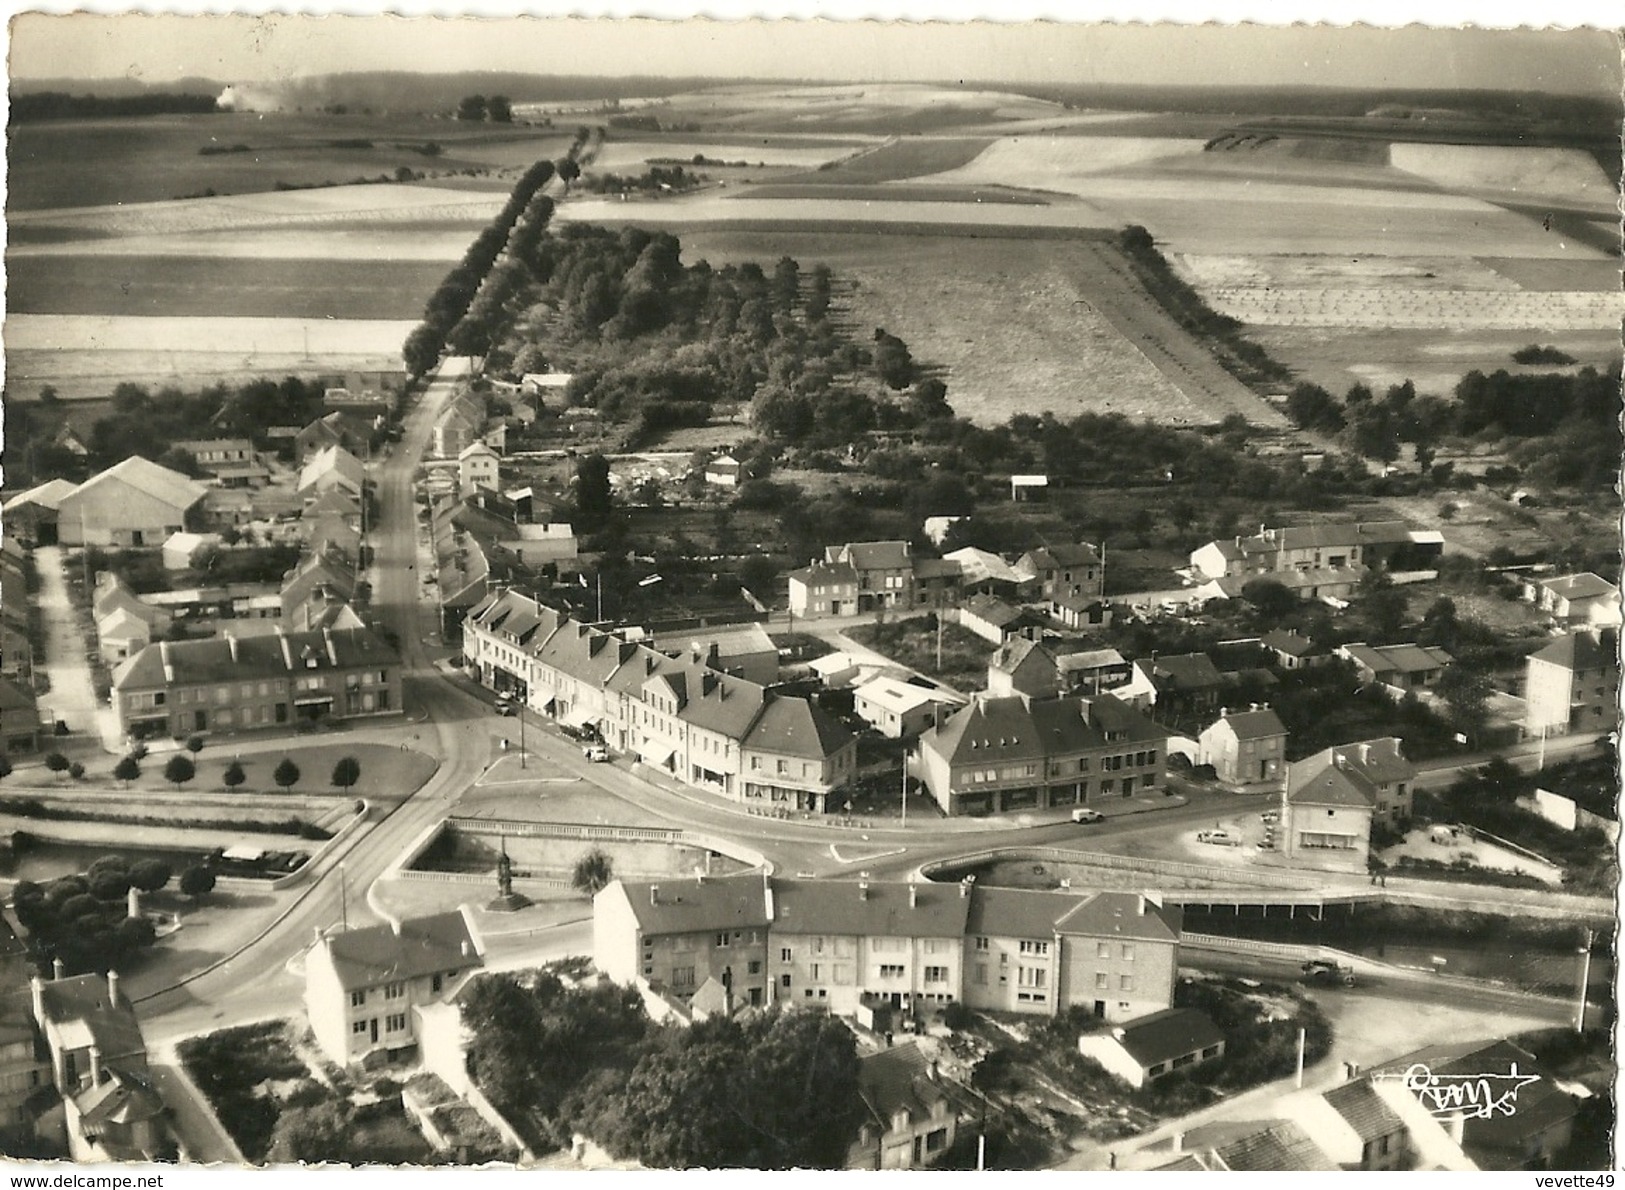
pixel 1128 950
pixel 723 939
pixel 359 1028
pixel 784 955
pixel 395 1022
pixel 891 971
pixel 357 999
pixel 394 991
pixel 981 944
pixel 1035 948
pixel 784 980
pixel 754 967
pixel 1103 950
pixel 936 975
pixel 436 982
pixel 1102 981
pixel 981 974
pixel 682 977
pixel 1125 983
pixel 1031 977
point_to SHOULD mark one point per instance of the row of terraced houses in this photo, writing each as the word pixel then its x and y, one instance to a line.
pixel 676 712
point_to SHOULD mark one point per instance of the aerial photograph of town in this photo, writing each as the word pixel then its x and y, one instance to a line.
pixel 587 594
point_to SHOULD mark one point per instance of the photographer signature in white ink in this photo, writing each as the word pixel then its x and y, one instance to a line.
pixel 1472 1096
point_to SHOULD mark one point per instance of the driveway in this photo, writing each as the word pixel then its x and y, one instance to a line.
pixel 72 696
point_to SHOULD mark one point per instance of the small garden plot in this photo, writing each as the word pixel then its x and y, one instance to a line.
pixel 278 1109
pixel 913 643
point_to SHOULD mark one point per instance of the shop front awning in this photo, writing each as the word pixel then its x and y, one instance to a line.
pixel 313 700
pixel 579 716
pixel 659 757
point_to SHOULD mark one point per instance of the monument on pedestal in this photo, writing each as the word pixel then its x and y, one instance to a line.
pixel 507 901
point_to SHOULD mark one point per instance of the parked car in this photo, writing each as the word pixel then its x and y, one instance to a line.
pixel 505 706
pixel 1221 838
pixel 1325 971
pixel 596 753
pixel 1270 817
pixel 1085 814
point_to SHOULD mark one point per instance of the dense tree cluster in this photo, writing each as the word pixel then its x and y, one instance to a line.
pixel 659 179
pixel 494 108
pixel 81 919
pixel 776 1091
pixel 1572 415
pixel 657 344
pixel 59 105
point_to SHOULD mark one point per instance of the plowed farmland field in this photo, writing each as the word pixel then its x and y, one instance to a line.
pixel 1017 326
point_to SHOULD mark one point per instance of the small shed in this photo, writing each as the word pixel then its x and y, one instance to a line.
pixel 1028 487
pixel 181 550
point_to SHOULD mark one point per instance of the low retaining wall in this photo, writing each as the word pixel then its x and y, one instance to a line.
pixel 1221 877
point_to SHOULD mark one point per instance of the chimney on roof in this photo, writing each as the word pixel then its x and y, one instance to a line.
pixel 112 988
pixel 863 890
pixel 163 656
pixel 1223 712
pixel 231 643
pixel 654 894
pixel 332 650
pixel 36 986
pixel 964 887
pixel 913 895
pixel 1178 1142
pixel 463 947
pixel 132 903
pixel 395 927
pixel 58 969
pixel 1365 753
pixel 96 1072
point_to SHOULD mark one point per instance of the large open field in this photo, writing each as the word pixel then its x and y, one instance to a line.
pixel 1017 326
pixel 87 355
pixel 969 222
pixel 83 163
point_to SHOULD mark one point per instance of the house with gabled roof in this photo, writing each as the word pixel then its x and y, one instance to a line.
pixel 911 1116
pixel 1153 1046
pixel 348 431
pixel 1002 754
pixel 31 517
pixel 1531 1135
pixel 20 726
pixel 899 709
pixel 363 987
pixel 1397 670
pixel 1330 547
pixel 318 584
pixel 1293 650
pixel 1583 598
pixel 994 620
pixel 884 569
pixel 1332 798
pixel 135 502
pixel 1022 666
pixel 1572 685
pixel 1247 749
pixel 332 469
pixel 1177 684
pixel 1066 571
pixel 797 755
pixel 1093 671
pixel 824 589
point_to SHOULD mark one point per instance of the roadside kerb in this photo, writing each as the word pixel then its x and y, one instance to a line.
pixel 1220 877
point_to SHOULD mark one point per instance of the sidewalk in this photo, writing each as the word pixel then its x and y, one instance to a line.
pixel 72 696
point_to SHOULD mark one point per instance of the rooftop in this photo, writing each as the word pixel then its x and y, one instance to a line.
pixel 1171 1033
pixel 438 944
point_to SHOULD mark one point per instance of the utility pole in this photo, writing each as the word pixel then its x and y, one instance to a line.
pixel 1301 1035
pixel 600 596
pixel 522 727
pixel 905 785
pixel 939 640
pixel 1585 978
